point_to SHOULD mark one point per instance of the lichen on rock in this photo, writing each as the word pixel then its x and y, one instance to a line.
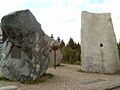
pixel 25 51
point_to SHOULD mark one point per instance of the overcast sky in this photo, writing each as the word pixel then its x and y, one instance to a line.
pixel 63 17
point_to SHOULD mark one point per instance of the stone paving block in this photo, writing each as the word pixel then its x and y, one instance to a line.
pixel 9 88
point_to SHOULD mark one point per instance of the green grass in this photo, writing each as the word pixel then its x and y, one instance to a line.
pixel 1 78
pixel 73 62
pixel 32 81
pixel 79 70
pixel 41 80
pixel 60 65
pixel 49 75
pixel 4 79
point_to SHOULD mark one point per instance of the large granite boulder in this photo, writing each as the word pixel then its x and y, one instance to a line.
pixel 25 51
pixel 0 38
pixel 99 51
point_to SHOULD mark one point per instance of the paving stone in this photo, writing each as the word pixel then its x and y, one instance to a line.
pixel 8 88
pixel 93 81
pixel 68 78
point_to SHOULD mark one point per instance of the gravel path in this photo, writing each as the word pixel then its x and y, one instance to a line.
pixel 67 77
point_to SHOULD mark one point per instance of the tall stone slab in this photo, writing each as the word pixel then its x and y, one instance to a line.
pixel 99 51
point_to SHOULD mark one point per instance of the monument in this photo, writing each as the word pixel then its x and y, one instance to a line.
pixel 99 51
pixel 25 51
pixel 59 55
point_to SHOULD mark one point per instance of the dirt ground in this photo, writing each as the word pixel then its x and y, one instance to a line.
pixel 68 77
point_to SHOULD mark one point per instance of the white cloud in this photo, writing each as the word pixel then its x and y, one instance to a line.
pixel 93 7
pixel 63 17
pixel 112 6
pixel 76 3
pixel 107 6
pixel 8 6
pixel 54 19
pixel 60 21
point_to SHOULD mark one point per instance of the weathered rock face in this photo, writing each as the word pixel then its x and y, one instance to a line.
pixel 59 55
pixel 25 52
pixel 99 51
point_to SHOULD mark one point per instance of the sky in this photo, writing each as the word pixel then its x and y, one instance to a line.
pixel 62 18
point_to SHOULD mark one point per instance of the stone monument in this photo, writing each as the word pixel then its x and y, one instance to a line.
pixel 25 51
pixel 59 55
pixel 55 46
pixel 99 51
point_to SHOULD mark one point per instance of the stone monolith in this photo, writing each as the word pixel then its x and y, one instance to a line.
pixel 99 51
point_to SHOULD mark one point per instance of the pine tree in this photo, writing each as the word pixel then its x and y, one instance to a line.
pixel 52 36
pixel 58 39
pixel 62 44
pixel 71 43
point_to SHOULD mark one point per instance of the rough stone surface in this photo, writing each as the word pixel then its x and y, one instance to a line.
pixel 59 55
pixel 99 51
pixel 0 34
pixel 25 51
